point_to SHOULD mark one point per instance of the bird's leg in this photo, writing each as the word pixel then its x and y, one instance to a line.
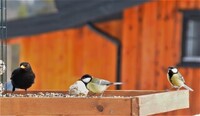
pixel 101 94
pixel 26 93
pixel 169 88
pixel 13 89
pixel 90 94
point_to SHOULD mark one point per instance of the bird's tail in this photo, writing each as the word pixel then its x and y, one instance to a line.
pixel 117 83
pixel 188 88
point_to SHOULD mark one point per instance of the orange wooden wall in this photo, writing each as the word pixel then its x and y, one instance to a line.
pixel 148 34
pixel 60 58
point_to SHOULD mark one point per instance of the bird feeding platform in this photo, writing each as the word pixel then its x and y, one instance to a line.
pixel 114 102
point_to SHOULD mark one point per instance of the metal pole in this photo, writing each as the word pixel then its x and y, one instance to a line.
pixel 3 35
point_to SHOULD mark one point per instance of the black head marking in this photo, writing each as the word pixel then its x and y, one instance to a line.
pixel 172 71
pixel 86 78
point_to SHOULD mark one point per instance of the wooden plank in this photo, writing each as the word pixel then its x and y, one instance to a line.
pixel 148 46
pixel 38 66
pixel 78 54
pixel 51 51
pixel 69 38
pixel 195 95
pixel 145 103
pixel 162 102
pixel 183 4
pixel 178 33
pixel 91 51
pixel 191 4
pixel 130 45
pixel 169 47
pixel 159 49
pixel 135 107
pixel 65 106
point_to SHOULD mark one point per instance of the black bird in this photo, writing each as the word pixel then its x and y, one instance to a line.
pixel 22 77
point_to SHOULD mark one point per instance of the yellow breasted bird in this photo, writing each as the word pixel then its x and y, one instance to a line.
pixel 96 85
pixel 176 79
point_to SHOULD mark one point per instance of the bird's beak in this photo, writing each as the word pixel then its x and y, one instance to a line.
pixel 22 66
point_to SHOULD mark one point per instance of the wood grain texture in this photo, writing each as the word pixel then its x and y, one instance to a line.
pixel 69 106
pixel 148 44
pixel 136 103
pixel 163 102
pixel 130 51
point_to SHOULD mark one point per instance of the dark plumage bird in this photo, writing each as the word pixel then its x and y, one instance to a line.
pixel 22 77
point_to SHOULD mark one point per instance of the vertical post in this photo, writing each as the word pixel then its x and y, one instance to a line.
pixel 3 31
pixel 5 40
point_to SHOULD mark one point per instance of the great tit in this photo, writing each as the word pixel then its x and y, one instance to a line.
pixel 176 79
pixel 96 85
pixel 2 67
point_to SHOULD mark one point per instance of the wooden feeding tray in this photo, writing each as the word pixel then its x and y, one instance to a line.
pixel 116 102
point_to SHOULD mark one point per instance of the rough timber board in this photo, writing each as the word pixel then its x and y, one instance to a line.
pixel 162 102
pixel 70 106
pixel 141 103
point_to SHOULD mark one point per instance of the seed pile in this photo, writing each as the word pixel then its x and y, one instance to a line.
pixel 38 95
pixel 55 95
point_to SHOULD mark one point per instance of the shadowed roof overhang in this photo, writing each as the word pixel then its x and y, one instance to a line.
pixel 71 13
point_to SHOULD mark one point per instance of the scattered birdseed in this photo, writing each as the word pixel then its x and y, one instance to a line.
pixel 55 95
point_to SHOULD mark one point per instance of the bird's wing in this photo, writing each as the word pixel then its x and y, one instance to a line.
pixel 13 73
pixel 33 77
pixel 181 77
pixel 101 81
pixel 105 82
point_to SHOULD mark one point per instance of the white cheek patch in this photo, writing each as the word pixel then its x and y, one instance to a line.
pixel 86 80
pixel 174 70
